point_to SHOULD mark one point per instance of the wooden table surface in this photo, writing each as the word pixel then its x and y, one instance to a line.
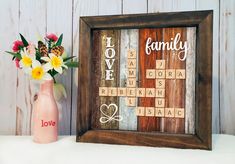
pixel 21 150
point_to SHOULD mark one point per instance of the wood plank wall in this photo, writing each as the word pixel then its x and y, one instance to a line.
pixel 35 18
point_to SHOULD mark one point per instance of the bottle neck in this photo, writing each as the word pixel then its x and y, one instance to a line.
pixel 47 87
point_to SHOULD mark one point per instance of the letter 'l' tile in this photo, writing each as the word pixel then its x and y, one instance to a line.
pixel 131 101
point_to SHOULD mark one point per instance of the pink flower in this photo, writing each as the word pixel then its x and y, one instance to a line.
pixel 16 45
pixel 31 49
pixel 52 37
pixel 17 62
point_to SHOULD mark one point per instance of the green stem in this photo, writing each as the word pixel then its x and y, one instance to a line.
pixel 54 79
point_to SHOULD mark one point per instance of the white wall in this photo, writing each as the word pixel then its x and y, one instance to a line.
pixel 32 18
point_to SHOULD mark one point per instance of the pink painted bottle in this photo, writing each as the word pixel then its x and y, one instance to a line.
pixel 45 115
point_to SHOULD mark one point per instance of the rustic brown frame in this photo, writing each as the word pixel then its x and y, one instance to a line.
pixel 202 137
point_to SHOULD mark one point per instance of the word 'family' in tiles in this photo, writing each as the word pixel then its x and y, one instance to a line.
pixel 160 74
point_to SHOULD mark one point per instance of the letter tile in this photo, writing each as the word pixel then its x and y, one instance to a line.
pixel 159 112
pixel 160 74
pixel 131 92
pixel 150 92
pixel 179 112
pixel 131 54
pixel 112 91
pixel 131 63
pixel 160 64
pixel 131 82
pixel 180 73
pixel 160 93
pixel 159 102
pixel 103 91
pixel 160 83
pixel 149 111
pixel 150 73
pixel 140 111
pixel 131 101
pixel 170 73
pixel 169 112
pixel 140 92
pixel 121 92
pixel 131 73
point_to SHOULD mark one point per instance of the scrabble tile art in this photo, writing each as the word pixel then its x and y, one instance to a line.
pixel 146 81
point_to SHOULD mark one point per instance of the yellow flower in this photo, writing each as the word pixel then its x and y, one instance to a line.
pixel 26 61
pixel 39 72
pixel 54 62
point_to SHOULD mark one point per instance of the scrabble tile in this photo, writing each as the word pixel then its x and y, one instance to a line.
pixel 149 111
pixel 160 64
pixel 103 91
pixel 131 73
pixel 169 112
pixel 150 92
pixel 131 63
pixel 140 111
pixel 179 112
pixel 131 82
pixel 150 73
pixel 159 102
pixel 140 92
pixel 160 83
pixel 121 92
pixel 131 101
pixel 160 74
pixel 112 91
pixel 131 92
pixel 160 93
pixel 180 73
pixel 159 112
pixel 131 54
pixel 170 73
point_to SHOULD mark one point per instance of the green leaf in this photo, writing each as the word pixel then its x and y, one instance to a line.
pixel 72 64
pixel 59 41
pixel 24 40
pixel 17 55
pixel 68 58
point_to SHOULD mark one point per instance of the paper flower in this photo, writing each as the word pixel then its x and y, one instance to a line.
pixel 39 71
pixel 52 37
pixel 17 62
pixel 16 45
pixel 54 62
pixel 31 49
pixel 26 61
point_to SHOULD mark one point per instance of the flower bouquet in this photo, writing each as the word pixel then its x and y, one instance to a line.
pixel 42 63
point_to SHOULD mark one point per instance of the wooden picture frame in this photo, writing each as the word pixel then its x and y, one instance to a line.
pixel 201 139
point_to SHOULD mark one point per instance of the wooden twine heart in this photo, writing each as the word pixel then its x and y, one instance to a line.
pixel 107 118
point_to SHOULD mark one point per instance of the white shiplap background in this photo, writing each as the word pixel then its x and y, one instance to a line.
pixel 37 17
